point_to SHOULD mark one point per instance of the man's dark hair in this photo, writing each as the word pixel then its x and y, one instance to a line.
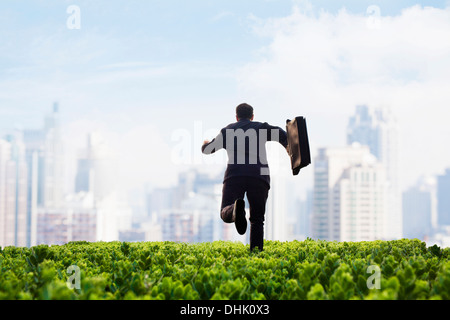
pixel 244 111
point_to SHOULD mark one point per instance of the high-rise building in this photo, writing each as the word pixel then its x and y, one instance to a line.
pixel 52 182
pixel 13 191
pixel 6 200
pixel 35 165
pixel 298 222
pixel 45 171
pixel 45 162
pixel 349 196
pixel 275 225
pixel 418 204
pixel 159 200
pixel 377 128
pixel 443 199
pixel 304 221
pixel 95 172
pixel 20 186
pixel 96 175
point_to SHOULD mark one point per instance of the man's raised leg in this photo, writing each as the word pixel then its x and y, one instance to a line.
pixel 233 190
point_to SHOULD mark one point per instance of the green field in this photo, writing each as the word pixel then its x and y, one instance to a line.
pixel 402 269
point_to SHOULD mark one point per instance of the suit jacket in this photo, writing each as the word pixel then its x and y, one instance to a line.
pixel 245 142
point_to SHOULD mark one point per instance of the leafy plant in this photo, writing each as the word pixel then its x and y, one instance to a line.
pixel 310 269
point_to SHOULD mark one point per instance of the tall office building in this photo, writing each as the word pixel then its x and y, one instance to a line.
pixel 378 129
pixel 349 196
pixel 13 192
pixel 275 225
pixel 45 162
pixel 443 199
pixel 418 206
pixel 6 200
pixel 159 200
pixel 95 172
pixel 52 182
pixel 96 175
pixel 298 220
pixel 35 164
pixel 45 171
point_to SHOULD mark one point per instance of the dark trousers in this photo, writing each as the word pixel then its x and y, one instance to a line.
pixel 257 191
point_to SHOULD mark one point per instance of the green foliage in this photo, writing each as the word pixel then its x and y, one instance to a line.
pixel 222 270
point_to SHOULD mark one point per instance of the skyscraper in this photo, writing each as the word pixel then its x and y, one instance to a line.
pixel 96 175
pixel 6 209
pixel 52 182
pixel 95 172
pixel 349 197
pixel 443 199
pixel 34 158
pixel 378 129
pixel 45 173
pixel 13 191
pixel 275 227
pixel 417 212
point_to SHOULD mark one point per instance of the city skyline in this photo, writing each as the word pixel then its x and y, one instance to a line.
pixel 357 183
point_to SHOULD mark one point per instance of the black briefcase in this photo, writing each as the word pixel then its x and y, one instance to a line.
pixel 298 144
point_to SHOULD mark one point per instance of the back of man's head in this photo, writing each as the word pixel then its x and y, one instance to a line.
pixel 244 111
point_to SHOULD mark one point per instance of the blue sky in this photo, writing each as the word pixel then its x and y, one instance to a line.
pixel 189 45
pixel 141 70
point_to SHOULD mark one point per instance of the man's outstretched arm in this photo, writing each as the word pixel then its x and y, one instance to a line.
pixel 277 134
pixel 216 144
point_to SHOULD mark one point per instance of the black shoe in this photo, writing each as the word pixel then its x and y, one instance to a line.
pixel 239 216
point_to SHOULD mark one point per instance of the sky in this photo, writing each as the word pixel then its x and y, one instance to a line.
pixel 156 78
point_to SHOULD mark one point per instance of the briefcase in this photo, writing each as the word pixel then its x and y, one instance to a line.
pixel 298 144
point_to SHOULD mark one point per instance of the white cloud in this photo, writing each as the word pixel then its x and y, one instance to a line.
pixel 323 66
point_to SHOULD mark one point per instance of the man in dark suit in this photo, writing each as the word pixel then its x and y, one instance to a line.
pixel 247 170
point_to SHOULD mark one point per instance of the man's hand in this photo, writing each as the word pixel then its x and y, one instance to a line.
pixel 206 142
